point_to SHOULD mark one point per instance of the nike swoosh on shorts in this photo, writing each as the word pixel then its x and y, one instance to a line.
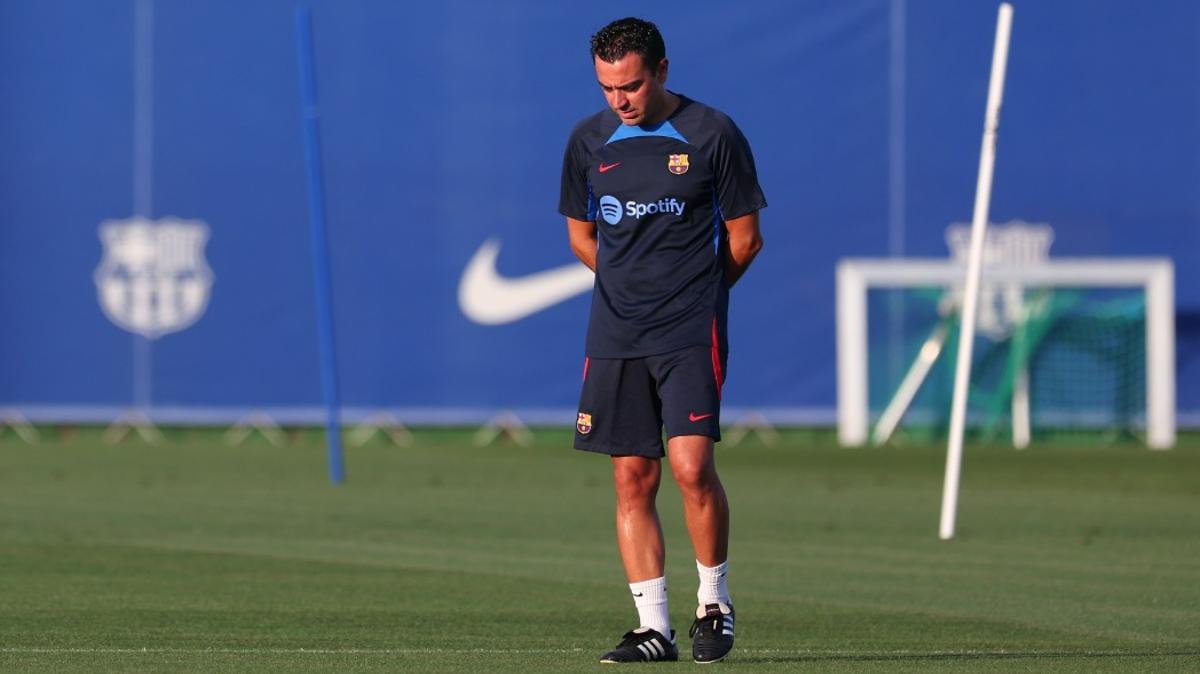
pixel 487 298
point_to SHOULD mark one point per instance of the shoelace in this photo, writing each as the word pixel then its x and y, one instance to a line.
pixel 698 622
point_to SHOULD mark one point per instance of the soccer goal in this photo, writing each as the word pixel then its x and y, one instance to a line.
pixel 1061 345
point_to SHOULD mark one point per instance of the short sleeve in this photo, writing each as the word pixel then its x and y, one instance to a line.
pixel 575 198
pixel 736 178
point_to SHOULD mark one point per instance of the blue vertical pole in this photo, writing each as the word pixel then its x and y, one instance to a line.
pixel 316 217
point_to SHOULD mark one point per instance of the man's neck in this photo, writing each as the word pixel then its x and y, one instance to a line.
pixel 670 104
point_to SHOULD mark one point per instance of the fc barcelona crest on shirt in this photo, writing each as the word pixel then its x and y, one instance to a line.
pixel 677 164
pixel 584 424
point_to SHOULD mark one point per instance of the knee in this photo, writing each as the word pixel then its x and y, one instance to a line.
pixel 636 480
pixel 694 475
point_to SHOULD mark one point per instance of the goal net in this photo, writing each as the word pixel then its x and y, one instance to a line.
pixel 1063 347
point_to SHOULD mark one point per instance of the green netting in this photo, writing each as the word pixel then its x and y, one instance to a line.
pixel 1084 350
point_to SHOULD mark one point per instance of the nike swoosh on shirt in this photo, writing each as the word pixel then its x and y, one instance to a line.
pixel 698 417
pixel 487 298
pixel 604 168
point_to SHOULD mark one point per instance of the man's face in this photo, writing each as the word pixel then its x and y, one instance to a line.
pixel 632 89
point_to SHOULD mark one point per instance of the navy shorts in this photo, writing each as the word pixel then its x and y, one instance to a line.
pixel 626 402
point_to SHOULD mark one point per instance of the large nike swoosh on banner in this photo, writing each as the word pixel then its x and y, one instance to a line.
pixel 490 299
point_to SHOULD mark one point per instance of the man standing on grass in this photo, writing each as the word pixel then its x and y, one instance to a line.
pixel 661 199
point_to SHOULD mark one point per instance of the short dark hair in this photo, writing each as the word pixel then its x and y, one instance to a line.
pixel 630 35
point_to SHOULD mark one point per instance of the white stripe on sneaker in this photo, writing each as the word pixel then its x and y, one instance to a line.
pixel 646 652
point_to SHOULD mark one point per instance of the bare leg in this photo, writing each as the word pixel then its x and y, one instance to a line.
pixel 704 504
pixel 639 533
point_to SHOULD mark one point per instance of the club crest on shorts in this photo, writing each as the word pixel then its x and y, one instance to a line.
pixel 584 423
pixel 153 279
pixel 677 164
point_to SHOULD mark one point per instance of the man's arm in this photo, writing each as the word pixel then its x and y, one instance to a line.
pixel 744 243
pixel 583 241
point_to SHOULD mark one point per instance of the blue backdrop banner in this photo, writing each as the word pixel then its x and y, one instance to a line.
pixel 154 249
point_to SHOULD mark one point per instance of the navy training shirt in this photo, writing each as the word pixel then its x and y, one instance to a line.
pixel 660 196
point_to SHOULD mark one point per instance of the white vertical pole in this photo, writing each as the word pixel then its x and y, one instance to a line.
pixel 1022 427
pixel 851 292
pixel 1160 358
pixel 983 195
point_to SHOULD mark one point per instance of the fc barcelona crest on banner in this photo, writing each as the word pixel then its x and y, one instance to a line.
pixel 677 164
pixel 153 279
pixel 584 425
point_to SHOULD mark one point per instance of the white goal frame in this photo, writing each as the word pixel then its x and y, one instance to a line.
pixel 1155 276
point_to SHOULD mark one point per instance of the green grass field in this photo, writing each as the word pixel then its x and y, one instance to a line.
pixel 194 555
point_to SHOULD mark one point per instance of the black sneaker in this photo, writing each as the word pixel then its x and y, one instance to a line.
pixel 643 645
pixel 712 633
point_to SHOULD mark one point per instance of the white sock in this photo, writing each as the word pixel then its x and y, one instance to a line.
pixel 712 584
pixel 650 597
